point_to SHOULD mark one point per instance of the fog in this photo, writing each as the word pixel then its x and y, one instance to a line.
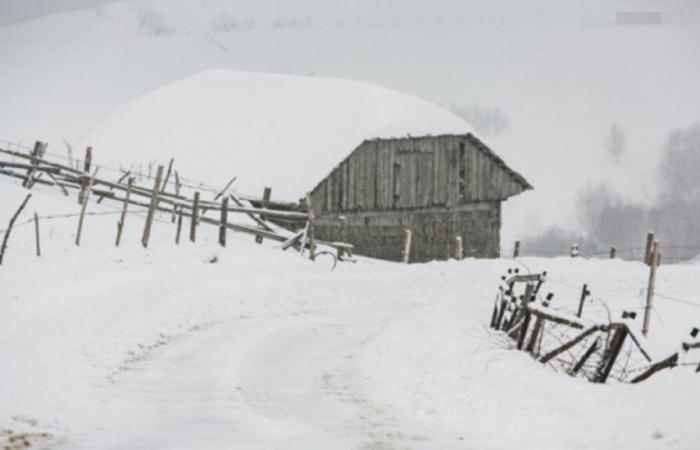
pixel 13 11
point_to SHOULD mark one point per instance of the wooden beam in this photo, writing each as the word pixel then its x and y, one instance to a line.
pixel 152 208
pixel 12 224
pixel 194 217
pixel 224 220
pixel 122 218
pixel 83 207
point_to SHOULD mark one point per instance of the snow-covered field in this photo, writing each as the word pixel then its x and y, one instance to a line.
pixel 160 348
pixel 199 346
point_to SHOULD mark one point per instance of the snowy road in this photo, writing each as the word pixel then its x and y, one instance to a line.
pixel 278 383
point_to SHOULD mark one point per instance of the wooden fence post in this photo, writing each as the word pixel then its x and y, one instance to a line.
pixel 516 249
pixel 526 315
pixel 654 259
pixel 36 234
pixel 194 218
pixel 152 208
pixel 9 227
pixel 83 207
pixel 616 344
pixel 613 251
pixel 459 251
pixel 224 220
pixel 86 169
pixel 647 251
pixel 407 247
pixel 167 175
pixel 584 293
pixel 312 227
pixel 179 226
pixel 267 192
pixel 122 218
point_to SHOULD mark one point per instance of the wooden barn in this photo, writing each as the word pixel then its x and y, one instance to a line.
pixel 438 187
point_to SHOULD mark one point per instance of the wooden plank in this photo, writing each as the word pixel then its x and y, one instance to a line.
pixel 36 234
pixel 86 197
pixel 194 217
pixel 12 224
pixel 224 220
pixel 152 208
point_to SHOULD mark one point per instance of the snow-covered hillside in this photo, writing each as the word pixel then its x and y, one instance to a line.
pixel 560 73
pixel 282 131
pixel 163 348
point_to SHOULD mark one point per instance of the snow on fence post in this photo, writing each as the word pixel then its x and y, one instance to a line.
pixel 152 207
pixel 653 259
pixel 122 218
pixel 36 234
pixel 459 251
pixel 224 220
pixel 584 293
pixel 407 247
pixel 267 193
pixel 516 249
pixel 179 226
pixel 194 218
pixel 83 208
pixel 9 227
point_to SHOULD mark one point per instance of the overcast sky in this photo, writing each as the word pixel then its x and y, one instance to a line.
pixel 12 11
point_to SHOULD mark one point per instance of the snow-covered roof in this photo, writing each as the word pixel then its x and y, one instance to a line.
pixel 282 131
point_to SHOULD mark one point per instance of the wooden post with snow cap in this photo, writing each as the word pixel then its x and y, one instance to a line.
pixel 516 249
pixel 194 218
pixel 654 258
pixel 224 220
pixel 9 227
pixel 267 192
pixel 122 218
pixel 83 208
pixel 407 247
pixel 152 208
pixel 459 251
pixel 36 234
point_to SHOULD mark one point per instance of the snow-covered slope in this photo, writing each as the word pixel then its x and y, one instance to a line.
pixel 282 131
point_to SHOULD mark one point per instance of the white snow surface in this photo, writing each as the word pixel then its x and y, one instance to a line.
pixel 282 131
pixel 135 348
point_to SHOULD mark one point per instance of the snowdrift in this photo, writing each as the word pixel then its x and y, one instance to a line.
pixel 281 131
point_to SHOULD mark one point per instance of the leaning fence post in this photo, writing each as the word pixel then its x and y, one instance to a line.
pixel 9 227
pixel 194 218
pixel 654 259
pixel 584 293
pixel 616 344
pixel 224 221
pixel 86 198
pixel 526 315
pixel 86 169
pixel 516 249
pixel 267 192
pixel 179 226
pixel 152 208
pixel 459 251
pixel 36 234
pixel 122 218
pixel 407 247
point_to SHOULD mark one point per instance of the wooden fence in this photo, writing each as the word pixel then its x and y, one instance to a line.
pixel 280 225
pixel 597 351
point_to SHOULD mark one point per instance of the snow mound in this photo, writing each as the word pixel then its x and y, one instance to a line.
pixel 282 131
